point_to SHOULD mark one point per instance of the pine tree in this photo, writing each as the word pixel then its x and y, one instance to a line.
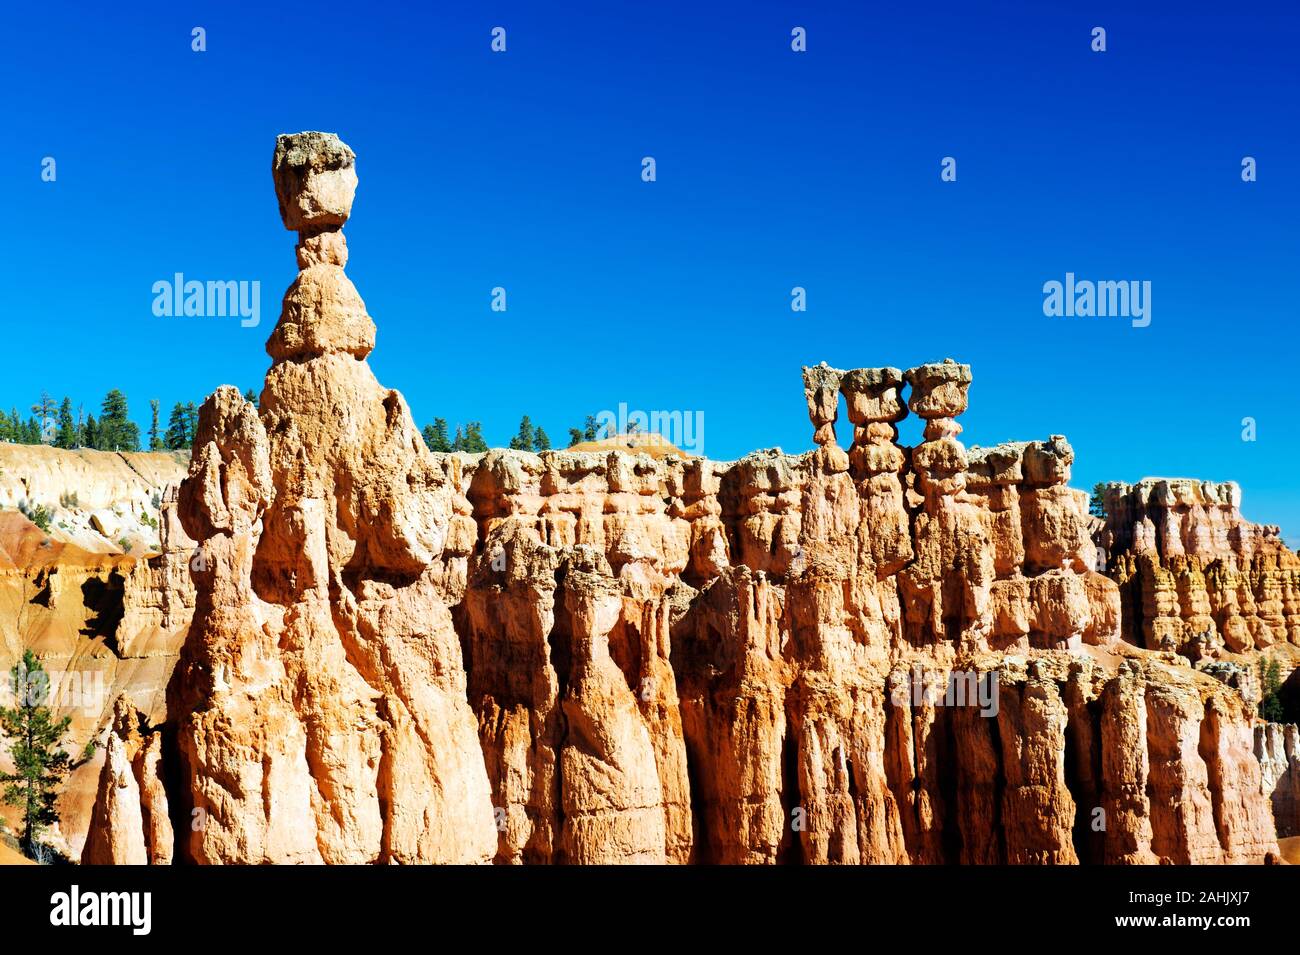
pixel 129 437
pixel 1097 503
pixel 250 396
pixel 1270 702
pixel 458 443
pixel 474 442
pixel 590 430
pixel 540 441
pixel 523 441
pixel 90 433
pixel 191 423
pixel 20 430
pixel 177 435
pixel 116 431
pixel 67 435
pixel 155 438
pixel 576 436
pixel 45 410
pixel 34 737
pixel 32 432
pixel 435 435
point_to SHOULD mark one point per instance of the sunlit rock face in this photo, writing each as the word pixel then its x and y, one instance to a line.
pixel 1197 577
pixel 322 691
pixel 862 654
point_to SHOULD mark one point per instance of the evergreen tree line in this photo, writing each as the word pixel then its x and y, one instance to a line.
pixel 469 438
pixel 529 437
pixel 590 431
pixel 55 424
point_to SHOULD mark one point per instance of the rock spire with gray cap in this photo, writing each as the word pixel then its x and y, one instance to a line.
pixel 315 182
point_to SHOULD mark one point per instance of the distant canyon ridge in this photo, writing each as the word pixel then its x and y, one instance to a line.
pixel 341 647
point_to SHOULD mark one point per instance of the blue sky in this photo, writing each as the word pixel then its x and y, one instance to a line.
pixel 775 169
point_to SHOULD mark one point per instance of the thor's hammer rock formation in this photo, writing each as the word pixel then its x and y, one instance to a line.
pixel 321 694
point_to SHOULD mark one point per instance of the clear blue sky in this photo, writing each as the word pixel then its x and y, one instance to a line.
pixel 775 169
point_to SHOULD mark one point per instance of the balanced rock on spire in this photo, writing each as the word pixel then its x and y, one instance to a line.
pixel 321 691
pixel 315 181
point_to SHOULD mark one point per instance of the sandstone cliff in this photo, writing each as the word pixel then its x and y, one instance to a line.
pixel 105 624
pixel 860 654
pixel 1197 576
pixel 97 500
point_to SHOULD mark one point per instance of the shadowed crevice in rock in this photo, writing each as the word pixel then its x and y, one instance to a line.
pixel 1079 795
pixel 44 592
pixel 175 779
pixel 559 641
pixel 790 850
pixel 104 599
pixel 1083 770
pixel 703 851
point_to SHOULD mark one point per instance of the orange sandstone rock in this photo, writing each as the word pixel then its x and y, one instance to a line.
pixel 875 655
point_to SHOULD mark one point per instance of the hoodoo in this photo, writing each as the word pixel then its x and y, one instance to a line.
pixel 321 693
pixel 607 657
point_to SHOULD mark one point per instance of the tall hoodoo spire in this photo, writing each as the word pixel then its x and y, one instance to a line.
pixel 322 689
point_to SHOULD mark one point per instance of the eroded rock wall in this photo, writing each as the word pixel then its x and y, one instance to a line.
pixel 1197 578
pixel 105 626
pixel 97 500
pixel 871 654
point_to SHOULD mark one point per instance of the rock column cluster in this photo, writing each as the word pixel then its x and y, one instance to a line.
pixel 401 656
pixel 1197 578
